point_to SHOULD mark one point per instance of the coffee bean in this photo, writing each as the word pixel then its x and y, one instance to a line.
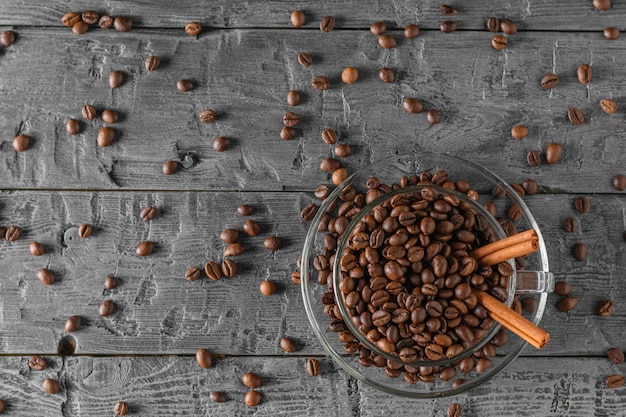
pixel 207 116
pixel 329 136
pixel 144 249
pixel 252 398
pixel 84 231
pixel 106 308
pixel 322 192
pixel 152 61
pixel 342 151
pixel 148 213
pixel 454 410
pixel 213 271
pixel 308 212
pixel 327 24
pixel 120 408
pixel 411 31
pixel 387 41
pixel 509 27
pixel 80 27
pixel 229 268
pixel 291 119
pixel 378 28
pixel 608 106
pixel 499 42
pixel 615 355
pixel 221 144
pixel 320 83
pixel 267 288
pixel 287 133
pixel 305 59
pixel 46 276
pixel 602 4
pixel 313 367
pixel 611 33
pixel 582 204
pixel 605 308
pixel 252 228
pixel 570 224
pixel 297 18
pixel 412 105
pixel 619 182
pixel 89 112
pixel 566 304
pixel 579 251
pixel 72 127
pixel 288 345
pixel 614 381
pixel 530 186
pixel 51 386
pixel 217 396
pixel 329 165
pixel 562 288
pixel 122 24
pixel 273 243
pixel 110 282
pixel 533 158
pixel 21 143
pixel 109 116
pixel 105 22
pixel 553 153
pixel 170 167
pixel 184 85
pixel 585 73
pixel 106 135
pixel 234 249
pixel 193 28
pixel 69 19
pixel 36 248
pixel 204 358
pixel 519 132
pixel 293 98
pixel 245 210
pixel 433 117
pixel 193 274
pixel 447 26
pixel 493 24
pixel 549 81
pixel 575 116
pixel 447 10
pixel 7 38
pixel 90 17
pixel 349 75
pixel 37 363
pixel 73 324
pixel 251 380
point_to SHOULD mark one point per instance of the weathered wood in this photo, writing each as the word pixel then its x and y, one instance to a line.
pixel 577 15
pixel 158 311
pixel 245 75
pixel 165 386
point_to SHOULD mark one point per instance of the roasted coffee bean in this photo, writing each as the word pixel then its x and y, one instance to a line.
pixel 106 308
pixel 508 26
pixel 615 355
pixel 245 210
pixel 608 106
pixel 109 116
pixel 234 249
pixel 120 408
pixel 122 24
pixel 433 117
pixel 72 127
pixel 252 398
pixel 229 268
pixel 563 288
pixel 530 186
pixel 533 158
pixel 105 22
pixel 329 136
pixel 454 410
pixel 570 224
pixel 51 386
pixel 519 132
pixel 37 363
pixel 291 119
pixel 273 243
pixel 221 144
pixel 387 41
pixel 213 271
pixel 313 367
pixel 170 167
pixel 106 135
pixel 115 79
pixel 288 345
pixel 297 18
pixel 217 396
pixel 73 324
pixel 251 380
pixel 614 381
pixel 193 28
pixel 329 165
pixel 148 213
pixel 305 59
pixel 193 274
pixel 80 27
pixel 585 74
pixel 145 249
pixel 582 204
pixel 493 24
pixel 327 24
pixel 605 308
pixel 602 4
pixel 411 31
pixel 412 105
pixel 293 98
pixel 447 26
pixel 152 61
pixel 287 133
pixel 184 85
pixel 619 182
pixel 46 276
pixel 378 28
pixel 567 303
pixel 204 358
pixel 579 251
pixel 89 112
pixel 308 212
pixel 207 116
pixel 549 81
pixel 342 151
pixel 21 143
pixel 499 42
pixel 36 248
pixel 514 213
pixel 110 282
pixel 447 10
pixel 611 33
pixel 433 352
pixel 349 75
pixel 575 116
pixel 69 19
pixel 267 288
pixel 553 153
pixel 252 228
pixel 386 75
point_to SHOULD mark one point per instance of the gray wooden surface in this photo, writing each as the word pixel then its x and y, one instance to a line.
pixel 242 66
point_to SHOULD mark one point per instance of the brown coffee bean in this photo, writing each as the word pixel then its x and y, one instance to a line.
pixel 89 112
pixel 273 243
pixel 349 75
pixel 213 271
pixel 80 27
pixel 411 31
pixel 229 268
pixel 305 59
pixel 582 204
pixel 412 105
pixel 21 143
pixel 234 249
pixel 320 83
pixel 508 26
pixel 619 182
pixel 152 62
pixel 69 19
pixel 432 116
pixel 46 276
pixel 615 355
pixel 313 367
pixel 530 186
pixel 221 144
pixel 267 288
pixel 611 33
pixel 447 26
pixel 322 192
pixel 105 22
pixel 549 81
pixel 566 304
pixel 605 308
pixel 37 363
pixel 122 24
pixel 585 74
pixel 193 28
pixel 204 358
pixel 36 248
pixel 575 116
pixel 170 167
pixel 602 4
pixel 533 158
pixel 329 136
pixel 72 127
pixel 207 116
pixel 563 288
pixel 327 24
pixel 217 396
pixel 193 274
pixel 251 380
pixel 519 132
pixel 109 116
pixel 148 213
pixel 84 231
pixel 614 381
pixel 287 133
pixel 51 386
pixel 291 119
pixel 308 212
pixel 293 98
pixel 499 42
pixel 447 10
pixel 120 408
pixel 106 135
pixel 329 165
pixel 454 410
pixel 342 151
pixel 184 85
pixel 110 282
pixel 608 106
pixel 252 398
pixel 378 28
pixel 73 324
pixel 288 345
pixel 115 79
pixel 144 249
pixel 106 308
pixel 553 153
pixel 252 228
pixel 579 251
pixel 387 41
pixel 570 224
pixel 493 24
pixel 229 236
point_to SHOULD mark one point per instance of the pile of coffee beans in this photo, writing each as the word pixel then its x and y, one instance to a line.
pixel 80 22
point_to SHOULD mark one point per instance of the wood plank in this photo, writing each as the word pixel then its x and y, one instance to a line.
pixel 530 15
pixel 245 76
pixel 164 386
pixel 160 312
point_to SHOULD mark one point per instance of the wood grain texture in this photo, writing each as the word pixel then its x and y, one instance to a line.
pixel 166 386
pixel 530 15
pixel 245 75
pixel 158 311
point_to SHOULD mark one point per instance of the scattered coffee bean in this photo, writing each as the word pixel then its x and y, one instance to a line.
pixel 120 408
pixel 305 59
pixel 36 248
pixel 221 144
pixel 329 165
pixel 13 233
pixel 51 386
pixel 562 288
pixel 433 117
pixel 148 213
pixel 349 75
pixel 267 288
pixel 84 231
pixel 170 167
pixel 109 116
pixel 582 204
pixel 213 271
pixel 251 380
pixel 229 268
pixel 69 19
pixel 72 127
pixel 499 42
pixel 73 324
pixel 570 224
pixel 608 106
pixel 80 27
pixel 90 17
pixel 386 75
pixel 252 228
pixel 619 182
pixel 144 249
pixel 447 10
pixel 204 358
pixel 553 153
pixel 21 143
pixel 7 38
pixel 207 116
pixel 508 26
pixel 88 111
pixel 252 398
pixel 579 251
pixel 585 73
pixel 611 33
pixel 152 62
pixel 339 176
pixel 575 116
pixel 193 28
pixel 245 210
pixel 295 277
pixel 378 28
pixel 549 81
pixel 330 137
pixel 313 367
pixel 193 274
pixel 614 381
pixel 234 249
pixel 454 410
pixel 412 105
pixel 106 135
pixel 342 151
pixel 105 22
pixel 37 363
pixel 287 133
pixel 320 83
pixel 122 24
pixel 297 18
pixel 293 98
pixel 602 4
pixel 110 282
pixel 288 345
pixel 605 308
pixel 411 31
pixel 106 308
pixel 530 186
pixel 566 304
pixel 184 85
pixel 291 119
pixel 387 41
pixel 46 276
pixel 273 243
pixel 327 24
pixel 615 355
pixel 115 79
pixel 519 132
pixel 447 26
pixel 533 158
pixel 308 212
pixel 493 24
pixel 322 192
pixel 1 406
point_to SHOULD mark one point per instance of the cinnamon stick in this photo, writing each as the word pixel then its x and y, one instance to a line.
pixel 513 321
pixel 525 236
pixel 519 249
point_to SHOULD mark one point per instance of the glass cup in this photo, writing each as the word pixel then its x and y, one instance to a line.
pixel 532 280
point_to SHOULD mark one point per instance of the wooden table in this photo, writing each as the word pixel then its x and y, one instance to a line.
pixel 242 66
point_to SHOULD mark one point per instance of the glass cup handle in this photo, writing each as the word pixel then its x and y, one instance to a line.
pixel 534 282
